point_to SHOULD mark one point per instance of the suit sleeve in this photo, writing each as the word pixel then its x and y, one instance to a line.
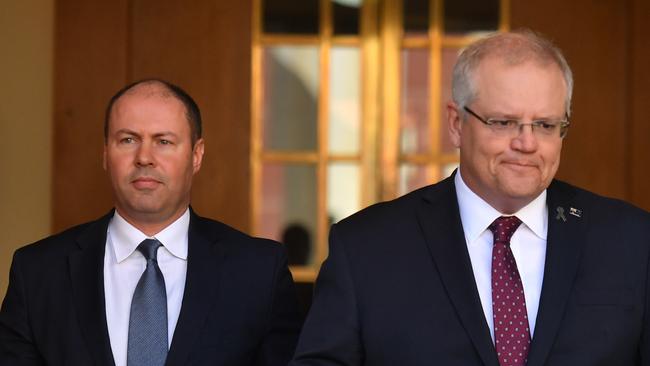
pixel 285 319
pixel 644 345
pixel 331 333
pixel 17 346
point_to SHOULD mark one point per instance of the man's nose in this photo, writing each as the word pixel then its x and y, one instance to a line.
pixel 526 140
pixel 144 156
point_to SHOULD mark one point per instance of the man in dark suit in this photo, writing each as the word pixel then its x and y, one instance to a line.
pixel 499 264
pixel 151 283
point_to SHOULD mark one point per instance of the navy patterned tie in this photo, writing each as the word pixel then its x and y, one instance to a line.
pixel 511 332
pixel 147 345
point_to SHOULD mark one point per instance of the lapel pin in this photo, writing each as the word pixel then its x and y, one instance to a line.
pixel 560 214
pixel 575 212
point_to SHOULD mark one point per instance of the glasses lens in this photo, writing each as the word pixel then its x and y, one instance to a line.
pixel 503 125
pixel 546 128
pixel 564 129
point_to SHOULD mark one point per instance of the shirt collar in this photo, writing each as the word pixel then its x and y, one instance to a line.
pixel 535 216
pixel 477 215
pixel 126 237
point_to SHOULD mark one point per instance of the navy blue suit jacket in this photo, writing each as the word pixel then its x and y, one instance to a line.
pixel 239 305
pixel 398 287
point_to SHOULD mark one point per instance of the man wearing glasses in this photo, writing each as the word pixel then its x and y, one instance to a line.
pixel 499 264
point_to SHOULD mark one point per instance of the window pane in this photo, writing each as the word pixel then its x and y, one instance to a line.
pixel 290 16
pixel 290 97
pixel 345 107
pixel 346 16
pixel 288 208
pixel 411 177
pixel 464 16
pixel 449 56
pixel 343 189
pixel 414 113
pixel 416 17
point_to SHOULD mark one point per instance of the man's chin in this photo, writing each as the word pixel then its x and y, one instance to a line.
pixel 522 189
pixel 142 209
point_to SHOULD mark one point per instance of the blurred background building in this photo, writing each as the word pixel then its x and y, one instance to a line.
pixel 313 109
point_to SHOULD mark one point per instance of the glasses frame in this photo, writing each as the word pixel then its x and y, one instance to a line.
pixel 564 124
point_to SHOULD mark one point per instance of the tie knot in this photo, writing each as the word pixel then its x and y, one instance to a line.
pixel 503 227
pixel 149 248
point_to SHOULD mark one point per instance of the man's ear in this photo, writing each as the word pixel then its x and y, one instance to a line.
pixel 454 123
pixel 197 155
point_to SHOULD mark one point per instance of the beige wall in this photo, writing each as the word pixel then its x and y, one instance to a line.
pixel 26 43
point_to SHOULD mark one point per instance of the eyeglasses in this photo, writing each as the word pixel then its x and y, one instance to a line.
pixel 512 127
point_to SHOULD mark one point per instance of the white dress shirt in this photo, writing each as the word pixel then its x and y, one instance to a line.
pixel 123 266
pixel 528 246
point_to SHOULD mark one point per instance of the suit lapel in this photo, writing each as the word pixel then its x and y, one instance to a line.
pixel 87 278
pixel 439 219
pixel 201 287
pixel 564 246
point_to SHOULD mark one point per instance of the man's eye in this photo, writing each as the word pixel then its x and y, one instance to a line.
pixel 546 125
pixel 127 140
pixel 504 123
pixel 165 142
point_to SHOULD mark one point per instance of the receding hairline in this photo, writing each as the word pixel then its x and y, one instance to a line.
pixel 161 89
pixel 149 88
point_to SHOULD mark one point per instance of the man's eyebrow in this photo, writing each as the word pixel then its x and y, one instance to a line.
pixel 165 133
pixel 518 117
pixel 127 131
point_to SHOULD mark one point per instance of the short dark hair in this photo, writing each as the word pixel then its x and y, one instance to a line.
pixel 192 112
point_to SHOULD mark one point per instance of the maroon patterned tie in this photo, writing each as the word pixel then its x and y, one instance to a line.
pixel 511 333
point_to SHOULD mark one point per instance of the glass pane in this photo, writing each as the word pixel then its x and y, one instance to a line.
pixel 290 16
pixel 464 16
pixel 449 56
pixel 447 169
pixel 343 191
pixel 416 17
pixel 290 97
pixel 345 104
pixel 288 208
pixel 414 113
pixel 411 177
pixel 346 16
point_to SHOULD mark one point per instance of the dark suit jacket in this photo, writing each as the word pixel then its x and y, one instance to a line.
pixel 239 305
pixel 398 287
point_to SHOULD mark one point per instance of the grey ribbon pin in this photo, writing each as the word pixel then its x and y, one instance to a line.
pixel 560 214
